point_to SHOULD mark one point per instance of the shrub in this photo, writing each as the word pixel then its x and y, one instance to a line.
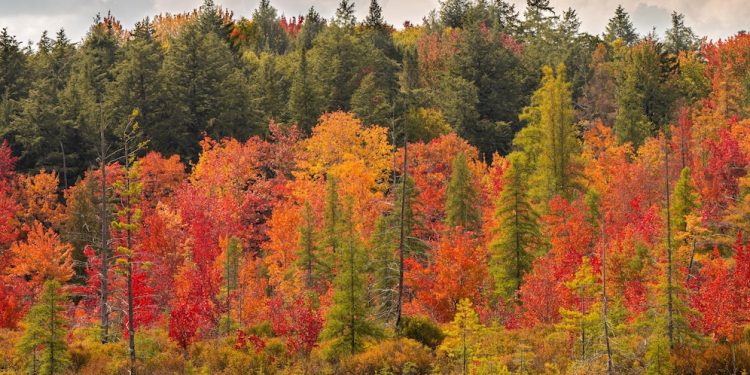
pixel 423 330
pixel 398 356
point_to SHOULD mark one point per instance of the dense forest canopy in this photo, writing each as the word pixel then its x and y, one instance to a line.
pixel 491 191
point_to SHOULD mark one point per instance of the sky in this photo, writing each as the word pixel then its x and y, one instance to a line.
pixel 26 19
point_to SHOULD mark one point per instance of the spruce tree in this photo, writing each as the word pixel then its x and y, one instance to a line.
pixel 205 92
pixel 348 324
pixel 462 198
pixel 680 38
pixel 517 231
pixel 43 344
pixel 345 14
pixel 312 25
pixel 373 103
pixel 271 36
pixel 374 17
pixel 271 88
pixel 452 12
pixel 304 97
pixel 620 27
pixel 137 84
pixel 312 261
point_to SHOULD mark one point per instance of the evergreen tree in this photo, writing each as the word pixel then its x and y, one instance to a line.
pixel 452 12
pixel 497 74
pixel 205 93
pixel 516 233
pixel 210 20
pixel 462 198
pixel 332 216
pixel 457 98
pixel 14 65
pixel 36 129
pixel 643 96
pixel 272 36
pixel 336 60
pixel 137 83
pixel 372 103
pixel 348 324
pixel 43 344
pixel 679 37
pixel 550 141
pixel 304 97
pixel 311 27
pixel 374 17
pixel 312 261
pixel 584 321
pixel 385 247
pixel 345 14
pixel 271 88
pixel 620 27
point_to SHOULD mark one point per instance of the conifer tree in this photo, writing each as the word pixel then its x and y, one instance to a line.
pixel 205 93
pixel 685 201
pixel 680 38
pixel 620 27
pixel 372 103
pixel 304 97
pixel 348 323
pixel 550 141
pixel 385 247
pixel 137 84
pixel 345 14
pixel 516 233
pixel 374 17
pixel 462 334
pixel 43 344
pixel 462 199
pixel 312 261
pixel 584 321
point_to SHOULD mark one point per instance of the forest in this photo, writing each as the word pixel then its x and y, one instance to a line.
pixel 488 191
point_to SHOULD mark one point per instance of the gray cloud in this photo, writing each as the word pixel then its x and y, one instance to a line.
pixel 28 18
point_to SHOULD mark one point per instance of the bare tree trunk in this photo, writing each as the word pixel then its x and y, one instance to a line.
pixel 401 240
pixel 129 218
pixel 670 323
pixel 104 252
pixel 604 299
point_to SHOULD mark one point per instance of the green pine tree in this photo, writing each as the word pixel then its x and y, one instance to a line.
pixel 620 27
pixel 517 231
pixel 43 344
pixel 373 103
pixel 205 93
pixel 304 97
pixel 348 324
pixel 312 261
pixel 462 198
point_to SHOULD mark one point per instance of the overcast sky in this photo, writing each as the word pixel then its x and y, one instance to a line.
pixel 28 18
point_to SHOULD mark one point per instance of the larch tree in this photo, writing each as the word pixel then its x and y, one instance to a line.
pixel 348 323
pixel 462 334
pixel 43 342
pixel 550 141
